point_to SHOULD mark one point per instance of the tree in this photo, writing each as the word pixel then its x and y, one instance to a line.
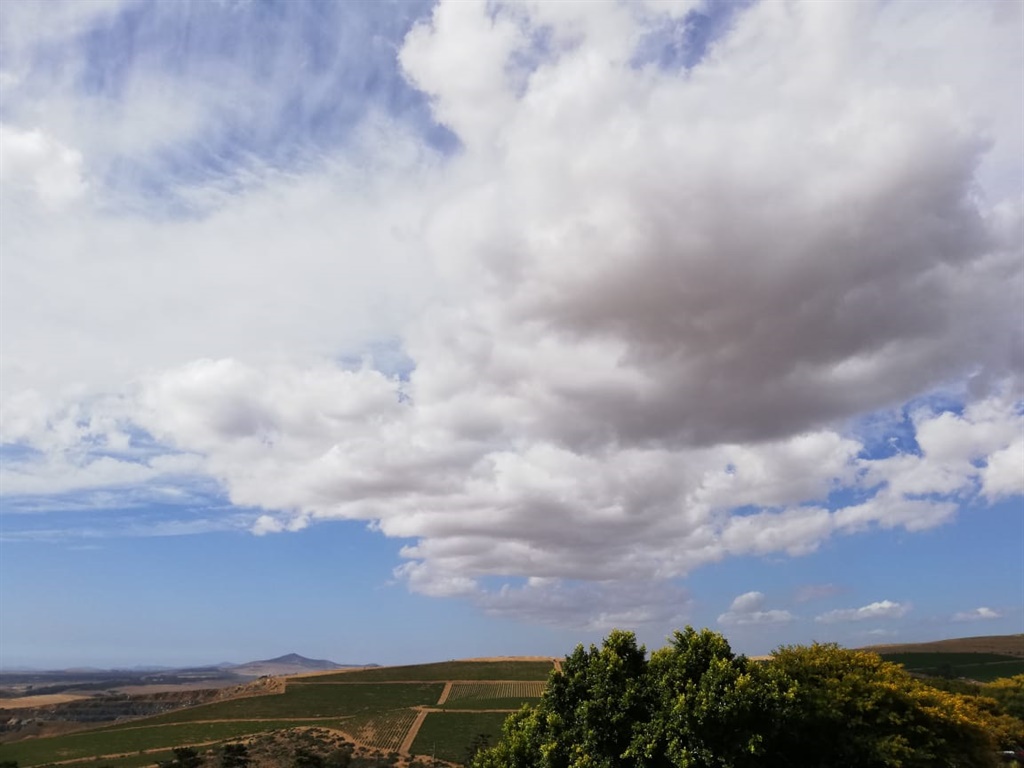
pixel 695 704
pixel 588 713
pixel 479 743
pixel 1009 693
pixel 851 708
pixel 711 707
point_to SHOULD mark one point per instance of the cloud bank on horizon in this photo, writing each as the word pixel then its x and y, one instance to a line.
pixel 577 298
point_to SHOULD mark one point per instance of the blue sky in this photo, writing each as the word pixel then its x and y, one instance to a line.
pixel 388 332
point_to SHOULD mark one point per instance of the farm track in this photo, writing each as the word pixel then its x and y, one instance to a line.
pixel 155 750
pixel 334 718
pixel 414 729
pixel 445 693
pixel 115 755
pixel 422 682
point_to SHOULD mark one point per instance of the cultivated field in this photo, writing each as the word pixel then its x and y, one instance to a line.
pixel 441 672
pixel 308 701
pixel 447 735
pixel 498 695
pixel 381 730
pixel 1004 645
pixel 382 708
pixel 982 667
pixel 124 740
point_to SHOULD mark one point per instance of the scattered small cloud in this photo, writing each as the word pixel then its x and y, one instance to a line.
pixel 877 633
pixel 748 608
pixel 978 614
pixel 884 609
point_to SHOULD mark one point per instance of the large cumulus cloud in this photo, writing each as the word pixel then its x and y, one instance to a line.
pixel 660 299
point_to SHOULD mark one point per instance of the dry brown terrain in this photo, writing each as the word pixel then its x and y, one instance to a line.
pixel 30 702
pixel 1008 645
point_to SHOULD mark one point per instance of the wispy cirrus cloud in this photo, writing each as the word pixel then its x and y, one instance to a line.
pixel 978 614
pixel 883 609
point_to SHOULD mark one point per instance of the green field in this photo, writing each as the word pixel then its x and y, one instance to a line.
pixel 304 700
pixel 443 671
pixel 122 740
pixel 983 667
pixel 446 735
pixel 376 707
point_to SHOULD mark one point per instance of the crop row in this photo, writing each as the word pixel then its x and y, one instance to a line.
pixel 304 700
pixel 507 690
pixel 442 671
pixel 384 730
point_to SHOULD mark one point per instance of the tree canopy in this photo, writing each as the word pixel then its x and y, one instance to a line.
pixel 696 704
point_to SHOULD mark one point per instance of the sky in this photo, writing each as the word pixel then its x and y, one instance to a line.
pixel 391 332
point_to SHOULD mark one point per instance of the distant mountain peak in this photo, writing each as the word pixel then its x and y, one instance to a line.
pixel 289 664
pixel 298 660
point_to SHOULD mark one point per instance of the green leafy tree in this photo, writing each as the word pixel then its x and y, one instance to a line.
pixel 587 715
pixel 711 707
pixel 695 704
pixel 479 743
pixel 851 708
pixel 1009 693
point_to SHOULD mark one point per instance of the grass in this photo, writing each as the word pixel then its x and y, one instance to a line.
pixel 1007 645
pixel 305 700
pixel 986 673
pixel 127 740
pixel 443 671
pixel 983 667
pixel 446 735
pixel 919 660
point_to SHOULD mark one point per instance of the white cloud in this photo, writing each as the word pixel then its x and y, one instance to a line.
pixel 978 614
pixel 32 162
pixel 641 306
pixel 748 609
pixel 884 609
pixel 1003 475
pixel 596 607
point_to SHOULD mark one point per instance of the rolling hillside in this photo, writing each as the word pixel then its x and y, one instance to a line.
pixel 429 710
pixel 980 659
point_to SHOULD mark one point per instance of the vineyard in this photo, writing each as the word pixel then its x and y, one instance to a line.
pixel 519 689
pixel 378 708
pixel 382 730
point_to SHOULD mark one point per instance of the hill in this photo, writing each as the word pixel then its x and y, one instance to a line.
pixel 289 664
pixel 979 659
pixel 391 714
pixel 1003 645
